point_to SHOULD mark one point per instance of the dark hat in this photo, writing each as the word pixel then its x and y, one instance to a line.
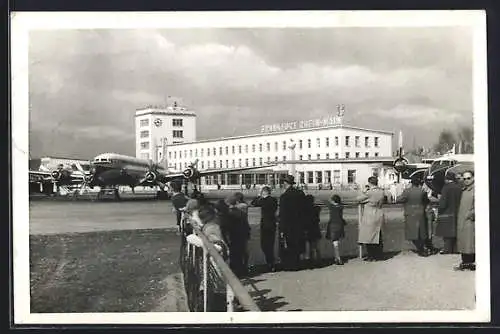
pixel 289 179
pixel 373 180
pixel 232 200
pixel 450 176
pixel 416 180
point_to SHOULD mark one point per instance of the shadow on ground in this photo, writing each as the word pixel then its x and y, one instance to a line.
pixel 260 296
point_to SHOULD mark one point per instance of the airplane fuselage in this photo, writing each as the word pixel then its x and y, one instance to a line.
pixel 434 176
pixel 114 170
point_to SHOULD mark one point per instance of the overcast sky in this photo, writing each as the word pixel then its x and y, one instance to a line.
pixel 85 85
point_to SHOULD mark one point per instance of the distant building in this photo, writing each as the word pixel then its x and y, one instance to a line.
pixel 321 151
pixel 156 126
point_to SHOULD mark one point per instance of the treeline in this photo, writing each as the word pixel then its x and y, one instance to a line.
pixel 463 139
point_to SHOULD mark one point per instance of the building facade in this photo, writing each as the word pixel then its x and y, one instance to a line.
pixel 158 127
pixel 322 156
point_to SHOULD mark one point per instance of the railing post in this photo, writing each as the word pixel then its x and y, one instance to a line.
pixel 205 279
pixel 229 299
pixel 360 214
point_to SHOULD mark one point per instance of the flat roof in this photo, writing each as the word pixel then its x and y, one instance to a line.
pixel 285 132
pixel 173 111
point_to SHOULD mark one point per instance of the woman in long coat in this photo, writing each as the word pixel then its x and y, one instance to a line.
pixel 465 225
pixel 415 202
pixel 372 219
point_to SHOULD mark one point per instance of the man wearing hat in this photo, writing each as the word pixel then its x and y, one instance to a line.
pixel 449 202
pixel 291 223
pixel 415 201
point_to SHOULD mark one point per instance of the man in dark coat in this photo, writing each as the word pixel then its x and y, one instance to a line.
pixel 466 233
pixel 268 206
pixel 291 223
pixel 238 232
pixel 449 202
pixel 415 202
pixel 179 201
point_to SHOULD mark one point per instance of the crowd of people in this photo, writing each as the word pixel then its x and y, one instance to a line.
pixel 296 218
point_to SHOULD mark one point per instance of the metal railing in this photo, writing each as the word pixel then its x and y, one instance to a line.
pixel 210 284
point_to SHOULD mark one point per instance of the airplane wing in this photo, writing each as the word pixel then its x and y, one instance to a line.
pixel 168 177
pixel 39 173
pixel 45 176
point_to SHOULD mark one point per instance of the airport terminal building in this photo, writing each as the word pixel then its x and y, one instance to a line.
pixel 319 153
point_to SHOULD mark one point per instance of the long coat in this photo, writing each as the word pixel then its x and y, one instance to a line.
pixel 465 223
pixel 415 202
pixel 291 217
pixel 373 216
pixel 446 225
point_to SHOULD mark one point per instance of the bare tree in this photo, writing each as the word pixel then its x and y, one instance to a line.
pixel 445 142
pixel 466 137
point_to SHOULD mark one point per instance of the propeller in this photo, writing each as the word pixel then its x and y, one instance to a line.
pixel 190 172
pixel 87 177
pixel 152 176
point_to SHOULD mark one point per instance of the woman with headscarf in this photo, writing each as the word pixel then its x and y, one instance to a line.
pixel 370 227
pixel 415 202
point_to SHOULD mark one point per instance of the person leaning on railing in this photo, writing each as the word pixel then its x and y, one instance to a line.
pixel 210 223
pixel 205 219
pixel 372 220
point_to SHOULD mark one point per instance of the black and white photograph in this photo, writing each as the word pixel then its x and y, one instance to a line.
pixel 252 167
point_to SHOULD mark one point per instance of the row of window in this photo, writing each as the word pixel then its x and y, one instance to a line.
pixel 254 147
pixel 254 161
pixel 301 157
pixel 175 122
pixel 347 155
pixel 175 134
pixel 317 177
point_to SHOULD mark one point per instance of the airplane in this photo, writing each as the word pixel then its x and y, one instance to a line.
pixel 62 175
pixel 110 170
pixel 434 174
pixel 432 171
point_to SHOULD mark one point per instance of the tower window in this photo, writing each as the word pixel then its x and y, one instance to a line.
pixel 178 134
pixel 177 122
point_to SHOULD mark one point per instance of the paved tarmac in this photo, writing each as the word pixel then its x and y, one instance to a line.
pixel 54 216
pixel 402 282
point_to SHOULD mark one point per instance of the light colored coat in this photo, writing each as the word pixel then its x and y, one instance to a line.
pixel 465 222
pixel 373 217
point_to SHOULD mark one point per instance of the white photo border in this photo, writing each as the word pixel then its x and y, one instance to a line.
pixel 23 22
